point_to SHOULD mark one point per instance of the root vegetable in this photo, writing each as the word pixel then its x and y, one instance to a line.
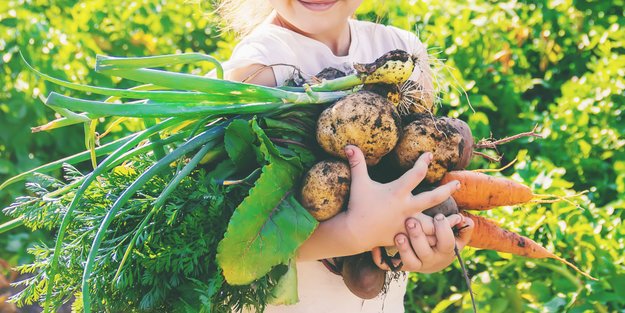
pixel 488 235
pixel 439 136
pixel 364 119
pixel 409 97
pixel 362 277
pixel 325 189
pixel 328 73
pixel 394 67
pixel 479 191
pixel 447 207
pixel 466 150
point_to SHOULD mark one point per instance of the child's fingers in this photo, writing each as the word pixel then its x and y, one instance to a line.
pixel 408 256
pixel 455 219
pixel 432 241
pixel 419 240
pixel 464 235
pixel 431 198
pixel 444 234
pixel 357 163
pixel 413 177
pixel 427 223
pixel 376 254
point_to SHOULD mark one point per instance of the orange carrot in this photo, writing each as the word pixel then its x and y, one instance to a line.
pixel 479 191
pixel 488 235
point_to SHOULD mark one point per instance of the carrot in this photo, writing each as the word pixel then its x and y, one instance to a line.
pixel 488 235
pixel 480 191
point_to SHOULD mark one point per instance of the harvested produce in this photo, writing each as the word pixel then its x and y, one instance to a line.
pixel 450 140
pixel 325 189
pixel 362 277
pixel 213 172
pixel 409 97
pixel 447 208
pixel 488 235
pixel 465 149
pixel 427 134
pixel 479 191
pixel 394 67
pixel 364 119
pixel 180 214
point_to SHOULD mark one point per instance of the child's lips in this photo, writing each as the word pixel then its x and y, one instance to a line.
pixel 317 5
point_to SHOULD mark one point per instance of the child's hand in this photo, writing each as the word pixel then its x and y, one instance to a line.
pixel 376 212
pixel 416 250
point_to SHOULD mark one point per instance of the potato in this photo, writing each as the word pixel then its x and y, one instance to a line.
pixel 364 119
pixel 428 134
pixel 325 189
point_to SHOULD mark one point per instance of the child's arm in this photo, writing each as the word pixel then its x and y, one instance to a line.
pixel 254 74
pixel 376 212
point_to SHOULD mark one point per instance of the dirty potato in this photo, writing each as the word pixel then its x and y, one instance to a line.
pixel 325 189
pixel 363 119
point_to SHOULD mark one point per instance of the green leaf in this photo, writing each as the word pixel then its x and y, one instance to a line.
pixel 239 140
pixel 285 292
pixel 268 220
pixel 222 171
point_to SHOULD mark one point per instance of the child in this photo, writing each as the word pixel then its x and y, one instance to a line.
pixel 311 35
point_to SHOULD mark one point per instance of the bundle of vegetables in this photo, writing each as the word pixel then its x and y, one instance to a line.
pixel 202 209
pixel 196 210
pixel 392 143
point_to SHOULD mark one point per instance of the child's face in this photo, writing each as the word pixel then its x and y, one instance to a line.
pixel 316 16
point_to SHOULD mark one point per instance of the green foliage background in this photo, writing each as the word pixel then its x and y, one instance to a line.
pixel 556 64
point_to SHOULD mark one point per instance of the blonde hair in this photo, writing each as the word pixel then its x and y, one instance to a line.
pixel 242 16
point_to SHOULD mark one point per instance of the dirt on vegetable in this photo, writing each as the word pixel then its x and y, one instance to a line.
pixel 364 119
pixel 325 189
pixel 427 134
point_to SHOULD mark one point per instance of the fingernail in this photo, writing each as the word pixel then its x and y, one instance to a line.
pixel 428 157
pixel 349 152
pixel 412 225
pixel 439 217
pixel 457 185
pixel 401 240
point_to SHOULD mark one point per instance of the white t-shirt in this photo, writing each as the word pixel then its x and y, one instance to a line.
pixel 270 44
pixel 321 291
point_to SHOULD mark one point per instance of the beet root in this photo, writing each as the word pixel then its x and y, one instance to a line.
pixel 362 277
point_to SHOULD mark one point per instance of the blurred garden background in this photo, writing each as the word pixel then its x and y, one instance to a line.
pixel 558 64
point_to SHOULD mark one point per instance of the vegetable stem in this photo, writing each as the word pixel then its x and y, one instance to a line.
pixel 148 108
pixel 104 63
pixel 187 147
pixel 136 138
pixel 158 203
pixel 12 224
pixel 73 159
pixel 341 83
